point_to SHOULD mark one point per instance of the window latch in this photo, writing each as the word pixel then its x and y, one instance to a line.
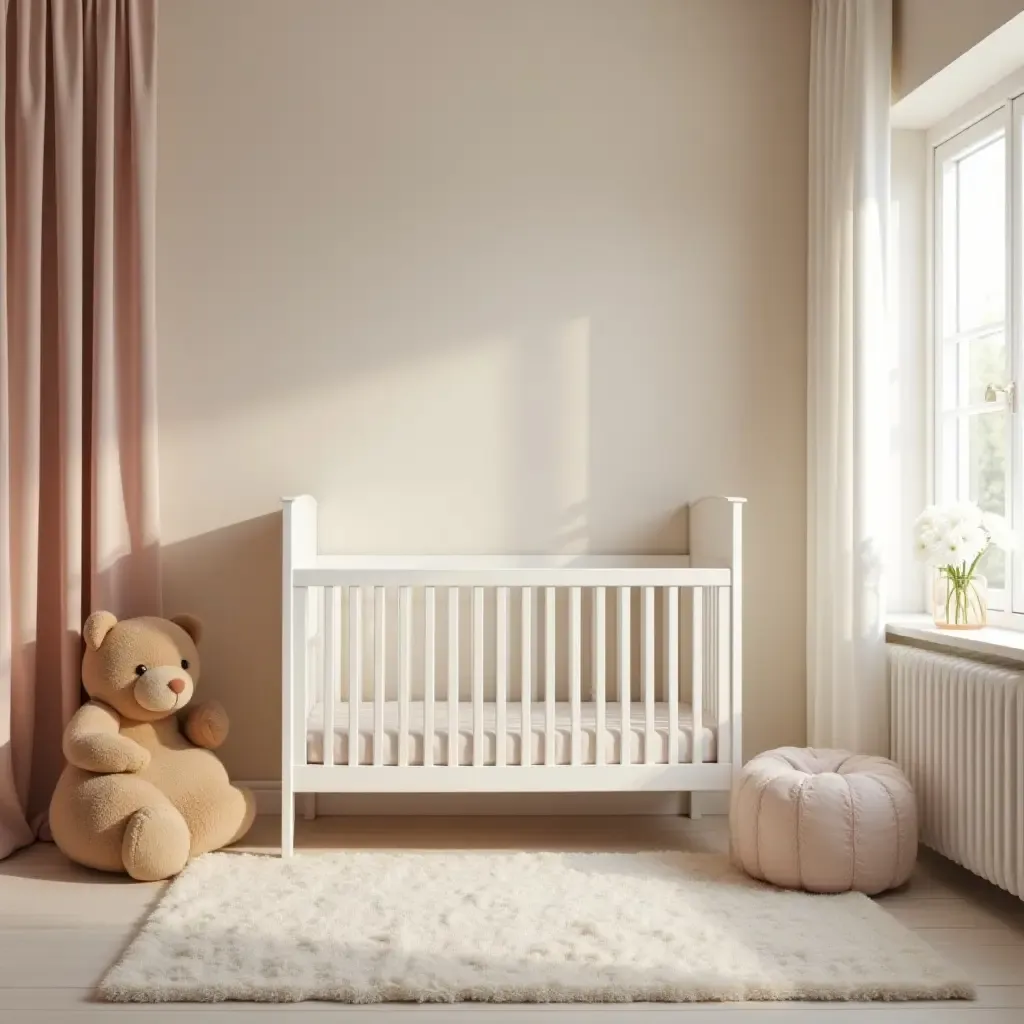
pixel 993 391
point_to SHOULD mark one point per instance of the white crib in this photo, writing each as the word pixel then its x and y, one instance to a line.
pixel 510 673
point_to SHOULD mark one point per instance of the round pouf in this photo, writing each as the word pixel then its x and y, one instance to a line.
pixel 824 821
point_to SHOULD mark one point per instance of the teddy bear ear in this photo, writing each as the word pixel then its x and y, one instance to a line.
pixel 190 624
pixel 96 627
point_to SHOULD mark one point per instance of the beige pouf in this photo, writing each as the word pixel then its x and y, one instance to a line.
pixel 824 820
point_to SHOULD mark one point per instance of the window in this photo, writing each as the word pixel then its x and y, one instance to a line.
pixel 976 315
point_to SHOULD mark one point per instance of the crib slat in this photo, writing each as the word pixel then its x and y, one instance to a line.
pixel 478 675
pixel 329 682
pixel 500 672
pixel 598 658
pixel 711 704
pixel 526 684
pixel 315 649
pixel 575 673
pixel 724 752
pixel 428 676
pixel 355 670
pixel 710 654
pixel 648 674
pixel 453 677
pixel 626 735
pixel 379 677
pixel 672 670
pixel 404 670
pixel 698 675
pixel 549 675
pixel 710 603
pixel 300 674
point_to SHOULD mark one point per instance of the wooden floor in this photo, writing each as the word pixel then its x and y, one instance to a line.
pixel 61 926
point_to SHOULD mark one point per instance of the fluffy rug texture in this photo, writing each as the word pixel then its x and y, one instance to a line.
pixel 519 927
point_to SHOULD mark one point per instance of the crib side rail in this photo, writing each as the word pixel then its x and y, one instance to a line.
pixel 457 573
pixel 511 676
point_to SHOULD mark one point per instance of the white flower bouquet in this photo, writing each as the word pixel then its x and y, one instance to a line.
pixel 953 539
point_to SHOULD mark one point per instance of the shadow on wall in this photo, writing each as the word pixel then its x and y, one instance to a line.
pixel 239 603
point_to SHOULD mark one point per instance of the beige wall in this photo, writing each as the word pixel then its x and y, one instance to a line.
pixel 929 34
pixel 479 276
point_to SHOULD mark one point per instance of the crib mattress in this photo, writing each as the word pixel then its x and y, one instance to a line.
pixel 513 740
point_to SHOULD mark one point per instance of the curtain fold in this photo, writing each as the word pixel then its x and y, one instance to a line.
pixel 78 486
pixel 850 96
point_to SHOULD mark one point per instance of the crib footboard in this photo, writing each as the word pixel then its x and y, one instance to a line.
pixel 554 674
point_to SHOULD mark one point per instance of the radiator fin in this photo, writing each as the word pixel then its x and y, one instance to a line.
pixel 958 733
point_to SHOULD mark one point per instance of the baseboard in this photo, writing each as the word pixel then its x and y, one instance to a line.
pixel 711 804
pixel 267 794
pixel 268 801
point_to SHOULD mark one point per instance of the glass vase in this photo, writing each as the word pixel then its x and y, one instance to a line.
pixel 959 603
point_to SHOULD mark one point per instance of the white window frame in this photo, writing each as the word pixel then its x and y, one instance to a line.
pixel 1000 109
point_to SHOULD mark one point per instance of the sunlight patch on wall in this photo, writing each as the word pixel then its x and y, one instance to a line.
pixel 573 440
pixel 411 456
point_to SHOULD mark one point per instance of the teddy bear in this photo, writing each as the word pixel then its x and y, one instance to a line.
pixel 143 791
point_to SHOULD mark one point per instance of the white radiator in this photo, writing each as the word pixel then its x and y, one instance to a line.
pixel 958 733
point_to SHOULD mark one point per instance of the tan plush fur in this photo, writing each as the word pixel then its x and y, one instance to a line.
pixel 143 791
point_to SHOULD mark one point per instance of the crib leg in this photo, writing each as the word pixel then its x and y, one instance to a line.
pixel 695 806
pixel 287 823
pixel 309 806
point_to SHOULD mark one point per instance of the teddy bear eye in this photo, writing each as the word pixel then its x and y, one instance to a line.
pixel 140 670
pixel 184 664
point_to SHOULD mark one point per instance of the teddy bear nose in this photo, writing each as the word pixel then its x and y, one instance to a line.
pixel 177 685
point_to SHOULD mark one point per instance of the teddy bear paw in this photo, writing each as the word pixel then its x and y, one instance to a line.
pixel 137 757
pixel 208 725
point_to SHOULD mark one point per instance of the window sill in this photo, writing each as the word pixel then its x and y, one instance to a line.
pixel 991 641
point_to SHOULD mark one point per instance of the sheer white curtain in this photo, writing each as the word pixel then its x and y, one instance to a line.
pixel 851 56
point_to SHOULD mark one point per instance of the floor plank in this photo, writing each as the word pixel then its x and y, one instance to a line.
pixel 61 926
pixel 959 938
pixel 942 913
pixel 58 957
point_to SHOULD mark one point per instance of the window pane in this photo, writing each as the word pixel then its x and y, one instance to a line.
pixel 948 480
pixel 986 465
pixel 986 460
pixel 982 362
pixel 993 568
pixel 981 235
pixel 948 254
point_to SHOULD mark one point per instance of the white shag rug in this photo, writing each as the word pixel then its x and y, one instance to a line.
pixel 519 927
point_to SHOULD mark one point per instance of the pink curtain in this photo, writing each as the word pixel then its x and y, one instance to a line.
pixel 78 478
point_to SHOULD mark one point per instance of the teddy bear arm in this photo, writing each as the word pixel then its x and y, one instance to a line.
pixel 206 725
pixel 93 742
